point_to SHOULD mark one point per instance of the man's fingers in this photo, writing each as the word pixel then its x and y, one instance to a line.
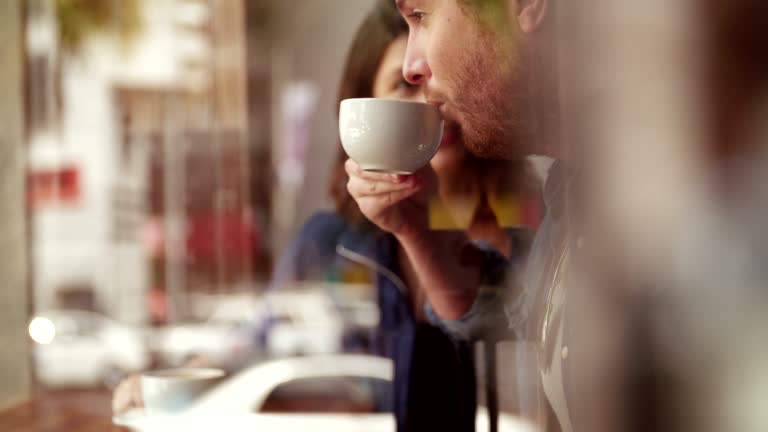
pixel 373 206
pixel 360 188
pixel 354 170
pixel 428 177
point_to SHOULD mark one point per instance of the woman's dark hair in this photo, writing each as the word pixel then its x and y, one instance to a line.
pixel 737 70
pixel 381 27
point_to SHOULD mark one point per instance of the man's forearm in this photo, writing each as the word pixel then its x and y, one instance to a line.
pixel 448 267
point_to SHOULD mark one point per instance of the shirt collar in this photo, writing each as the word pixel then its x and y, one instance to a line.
pixel 553 189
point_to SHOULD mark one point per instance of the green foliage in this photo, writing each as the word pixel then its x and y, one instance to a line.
pixel 79 19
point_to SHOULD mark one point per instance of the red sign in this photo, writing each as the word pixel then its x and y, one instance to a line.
pixel 54 186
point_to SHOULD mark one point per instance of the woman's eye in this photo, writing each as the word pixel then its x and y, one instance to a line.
pixel 417 16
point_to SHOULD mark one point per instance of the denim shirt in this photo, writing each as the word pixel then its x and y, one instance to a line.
pixel 434 380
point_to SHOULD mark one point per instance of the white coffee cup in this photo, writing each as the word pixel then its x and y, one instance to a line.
pixel 170 391
pixel 389 135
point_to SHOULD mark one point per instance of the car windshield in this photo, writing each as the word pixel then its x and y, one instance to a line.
pixel 75 324
pixel 330 395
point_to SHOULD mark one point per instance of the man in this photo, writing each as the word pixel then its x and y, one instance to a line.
pixel 495 84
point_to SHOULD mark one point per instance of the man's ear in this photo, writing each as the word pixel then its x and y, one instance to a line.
pixel 530 14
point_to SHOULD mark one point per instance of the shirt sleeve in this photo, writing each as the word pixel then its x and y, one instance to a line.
pixel 488 318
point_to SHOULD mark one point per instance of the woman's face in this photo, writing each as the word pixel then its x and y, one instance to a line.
pixel 389 83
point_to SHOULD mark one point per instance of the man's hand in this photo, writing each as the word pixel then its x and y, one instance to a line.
pixel 395 203
pixel 399 205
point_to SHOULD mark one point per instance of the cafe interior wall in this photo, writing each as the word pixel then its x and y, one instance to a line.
pixel 14 367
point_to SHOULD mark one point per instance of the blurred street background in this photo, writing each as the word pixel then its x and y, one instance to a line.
pixel 170 150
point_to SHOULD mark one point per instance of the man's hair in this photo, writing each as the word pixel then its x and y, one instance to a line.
pixel 492 14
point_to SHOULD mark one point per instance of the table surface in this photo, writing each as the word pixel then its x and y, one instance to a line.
pixel 62 411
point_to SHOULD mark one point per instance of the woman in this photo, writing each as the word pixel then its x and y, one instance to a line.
pixel 434 377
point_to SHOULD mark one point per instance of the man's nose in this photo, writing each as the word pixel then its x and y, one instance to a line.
pixel 416 69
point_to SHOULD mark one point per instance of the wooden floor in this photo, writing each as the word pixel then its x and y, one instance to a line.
pixel 62 411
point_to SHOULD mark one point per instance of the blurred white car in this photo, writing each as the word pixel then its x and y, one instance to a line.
pixel 300 322
pixel 341 392
pixel 219 337
pixel 80 348
pixel 176 344
pixel 238 329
